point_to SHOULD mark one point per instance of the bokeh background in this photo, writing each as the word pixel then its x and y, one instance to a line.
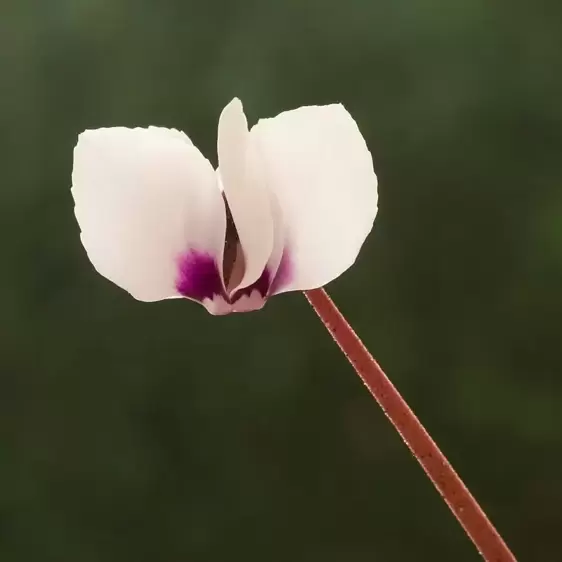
pixel 156 432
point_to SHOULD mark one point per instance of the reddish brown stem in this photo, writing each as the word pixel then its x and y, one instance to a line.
pixel 461 502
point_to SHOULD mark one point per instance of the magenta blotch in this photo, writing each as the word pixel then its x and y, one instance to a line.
pixel 199 276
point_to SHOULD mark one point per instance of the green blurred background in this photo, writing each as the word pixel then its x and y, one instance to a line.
pixel 158 433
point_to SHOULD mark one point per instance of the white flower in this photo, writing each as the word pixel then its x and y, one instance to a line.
pixel 288 209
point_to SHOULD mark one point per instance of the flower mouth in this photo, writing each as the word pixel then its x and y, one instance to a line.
pixel 202 279
pixel 199 279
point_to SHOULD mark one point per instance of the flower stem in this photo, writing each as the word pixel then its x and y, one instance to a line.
pixel 452 489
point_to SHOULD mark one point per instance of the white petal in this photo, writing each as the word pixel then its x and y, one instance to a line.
pixel 320 170
pixel 146 199
pixel 168 133
pixel 245 193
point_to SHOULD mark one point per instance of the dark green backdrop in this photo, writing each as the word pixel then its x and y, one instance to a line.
pixel 158 433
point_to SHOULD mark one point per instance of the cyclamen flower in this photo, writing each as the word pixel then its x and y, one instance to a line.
pixel 288 208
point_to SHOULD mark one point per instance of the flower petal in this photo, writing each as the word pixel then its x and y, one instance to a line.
pixel 320 170
pixel 246 194
pixel 151 213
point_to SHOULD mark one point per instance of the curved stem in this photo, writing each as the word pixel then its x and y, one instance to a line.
pixel 452 489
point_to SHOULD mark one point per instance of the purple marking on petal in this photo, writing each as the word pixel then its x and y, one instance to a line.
pixel 198 276
pixel 261 285
pixel 283 276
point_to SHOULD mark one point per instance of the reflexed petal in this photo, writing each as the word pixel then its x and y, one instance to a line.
pixel 150 211
pixel 320 170
pixel 246 194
